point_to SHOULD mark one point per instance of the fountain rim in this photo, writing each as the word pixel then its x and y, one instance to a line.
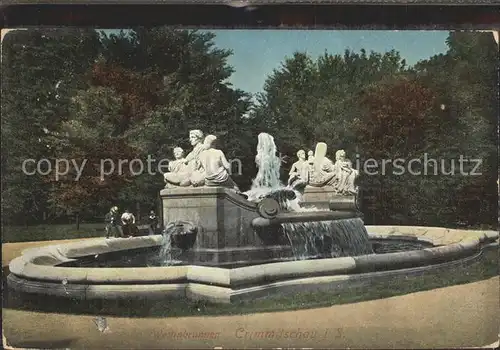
pixel 26 266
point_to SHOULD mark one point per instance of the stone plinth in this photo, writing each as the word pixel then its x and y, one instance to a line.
pixel 223 218
pixel 322 197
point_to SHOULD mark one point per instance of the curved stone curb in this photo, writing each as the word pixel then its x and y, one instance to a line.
pixel 218 294
pixel 437 235
pixel 34 270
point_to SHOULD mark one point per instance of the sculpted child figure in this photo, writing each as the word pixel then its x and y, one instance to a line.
pixel 177 165
pixel 177 170
pixel 324 175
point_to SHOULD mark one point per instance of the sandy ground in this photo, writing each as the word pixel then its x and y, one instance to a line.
pixel 457 316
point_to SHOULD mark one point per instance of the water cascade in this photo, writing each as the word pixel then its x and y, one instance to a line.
pixel 328 239
pixel 267 182
pixel 346 237
pixel 166 255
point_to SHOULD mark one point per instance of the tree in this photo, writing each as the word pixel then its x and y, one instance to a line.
pixel 41 68
pixel 148 88
pixel 466 79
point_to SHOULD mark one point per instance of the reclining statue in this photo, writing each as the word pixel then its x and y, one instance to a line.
pixel 324 175
pixel 340 175
pixel 177 169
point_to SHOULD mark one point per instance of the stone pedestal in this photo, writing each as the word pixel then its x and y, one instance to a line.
pixel 223 218
pixel 325 198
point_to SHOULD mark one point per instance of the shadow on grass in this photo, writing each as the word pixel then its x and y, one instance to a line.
pixel 485 268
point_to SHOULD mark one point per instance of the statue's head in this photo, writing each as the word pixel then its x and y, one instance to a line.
pixel 209 141
pixel 114 209
pixel 340 154
pixel 310 153
pixel 178 153
pixel 195 137
pixel 301 154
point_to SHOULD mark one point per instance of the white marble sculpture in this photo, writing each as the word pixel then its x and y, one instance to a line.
pixel 205 165
pixel 345 174
pixel 214 167
pixel 186 173
pixel 177 165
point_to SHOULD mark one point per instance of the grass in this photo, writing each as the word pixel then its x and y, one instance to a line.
pixel 51 232
pixel 480 270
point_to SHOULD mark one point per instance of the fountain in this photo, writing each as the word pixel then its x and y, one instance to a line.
pixel 224 245
pixel 265 224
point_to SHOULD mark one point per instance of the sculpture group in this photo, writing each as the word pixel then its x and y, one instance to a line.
pixel 206 165
pixel 323 172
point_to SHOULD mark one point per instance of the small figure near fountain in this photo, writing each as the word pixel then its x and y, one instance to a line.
pixel 214 167
pixel 112 223
pixel 153 222
pixel 128 224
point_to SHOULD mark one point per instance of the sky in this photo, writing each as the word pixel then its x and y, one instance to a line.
pixel 257 52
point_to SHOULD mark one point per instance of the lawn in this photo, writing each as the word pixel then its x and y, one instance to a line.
pixel 51 232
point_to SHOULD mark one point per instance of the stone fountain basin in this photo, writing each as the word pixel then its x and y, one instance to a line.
pixel 35 271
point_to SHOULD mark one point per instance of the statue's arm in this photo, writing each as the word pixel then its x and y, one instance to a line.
pixel 224 161
pixel 189 157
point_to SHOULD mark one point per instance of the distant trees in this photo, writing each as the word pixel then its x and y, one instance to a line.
pixel 41 70
pixel 89 97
